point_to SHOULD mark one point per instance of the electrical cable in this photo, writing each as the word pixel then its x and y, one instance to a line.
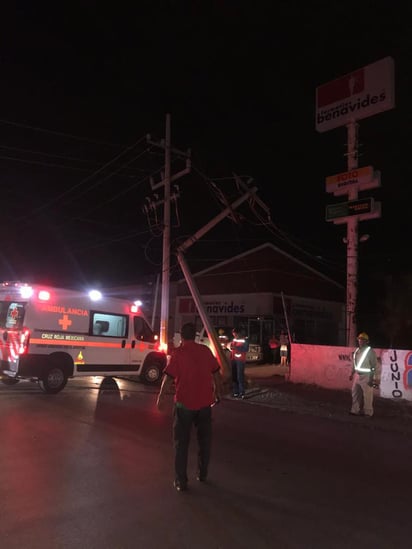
pixel 108 176
pixel 39 163
pixel 60 134
pixel 83 181
pixel 113 198
pixel 111 240
pixel 50 155
pixel 270 226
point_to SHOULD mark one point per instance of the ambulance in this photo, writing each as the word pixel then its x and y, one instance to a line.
pixel 50 334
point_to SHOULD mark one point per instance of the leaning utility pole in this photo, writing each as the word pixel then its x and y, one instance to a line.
pixel 248 193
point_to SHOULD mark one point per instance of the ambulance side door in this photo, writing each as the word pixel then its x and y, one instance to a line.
pixel 108 349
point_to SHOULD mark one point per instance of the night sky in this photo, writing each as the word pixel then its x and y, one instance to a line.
pixel 83 84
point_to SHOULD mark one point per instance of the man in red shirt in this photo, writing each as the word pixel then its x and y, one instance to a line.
pixel 196 375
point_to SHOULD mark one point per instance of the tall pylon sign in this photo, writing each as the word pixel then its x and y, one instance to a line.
pixel 342 102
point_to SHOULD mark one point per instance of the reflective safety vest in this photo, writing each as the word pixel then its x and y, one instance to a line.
pixel 359 365
pixel 239 348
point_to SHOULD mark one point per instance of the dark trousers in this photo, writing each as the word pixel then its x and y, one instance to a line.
pixel 275 355
pixel 238 377
pixel 183 420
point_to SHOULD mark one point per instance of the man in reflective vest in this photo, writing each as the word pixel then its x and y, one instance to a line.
pixel 364 376
pixel 238 349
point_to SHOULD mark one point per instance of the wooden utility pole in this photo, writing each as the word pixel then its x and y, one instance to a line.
pixel 164 311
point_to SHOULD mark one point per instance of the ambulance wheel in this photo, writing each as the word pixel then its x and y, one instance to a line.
pixel 9 380
pixel 53 381
pixel 152 372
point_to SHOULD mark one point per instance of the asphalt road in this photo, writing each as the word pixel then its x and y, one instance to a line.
pixel 92 467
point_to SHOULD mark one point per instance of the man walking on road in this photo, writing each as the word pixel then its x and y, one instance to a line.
pixel 364 376
pixel 196 375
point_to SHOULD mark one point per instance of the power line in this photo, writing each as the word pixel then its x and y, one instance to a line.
pixel 41 153
pixel 85 180
pixel 115 197
pixel 111 174
pixel 54 132
pixel 269 226
pixel 48 164
pixel 111 240
pixel 45 164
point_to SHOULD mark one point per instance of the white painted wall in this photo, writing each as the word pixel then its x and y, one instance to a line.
pixel 330 367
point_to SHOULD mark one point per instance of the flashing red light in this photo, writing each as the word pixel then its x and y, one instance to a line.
pixel 162 347
pixel 24 341
pixel 44 295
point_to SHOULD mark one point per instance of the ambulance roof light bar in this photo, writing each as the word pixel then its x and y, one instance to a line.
pixel 26 292
pixel 95 295
pixel 135 306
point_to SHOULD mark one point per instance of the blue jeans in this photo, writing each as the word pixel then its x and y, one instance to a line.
pixel 238 377
pixel 182 426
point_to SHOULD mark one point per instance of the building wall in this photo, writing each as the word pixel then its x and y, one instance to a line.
pixel 249 289
pixel 310 320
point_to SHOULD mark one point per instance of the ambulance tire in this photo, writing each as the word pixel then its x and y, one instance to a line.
pixel 53 381
pixel 152 372
pixel 9 380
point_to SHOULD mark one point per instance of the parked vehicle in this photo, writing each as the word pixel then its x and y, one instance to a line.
pixel 254 354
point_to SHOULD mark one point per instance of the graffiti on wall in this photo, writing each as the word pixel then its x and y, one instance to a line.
pixel 330 367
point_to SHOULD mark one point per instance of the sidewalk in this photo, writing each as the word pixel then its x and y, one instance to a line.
pixel 262 371
pixel 268 385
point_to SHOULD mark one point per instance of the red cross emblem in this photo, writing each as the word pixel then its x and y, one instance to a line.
pixel 14 313
pixel 65 322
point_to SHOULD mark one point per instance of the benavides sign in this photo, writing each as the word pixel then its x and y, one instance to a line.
pixel 356 95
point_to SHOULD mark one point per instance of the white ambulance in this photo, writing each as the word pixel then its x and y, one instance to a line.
pixel 51 334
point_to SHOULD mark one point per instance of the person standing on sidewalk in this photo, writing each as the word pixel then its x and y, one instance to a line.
pixel 364 377
pixel 196 374
pixel 284 351
pixel 238 349
pixel 274 348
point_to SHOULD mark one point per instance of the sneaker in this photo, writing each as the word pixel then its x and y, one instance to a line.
pixel 180 486
pixel 201 478
pixel 242 395
pixel 354 414
pixel 235 395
